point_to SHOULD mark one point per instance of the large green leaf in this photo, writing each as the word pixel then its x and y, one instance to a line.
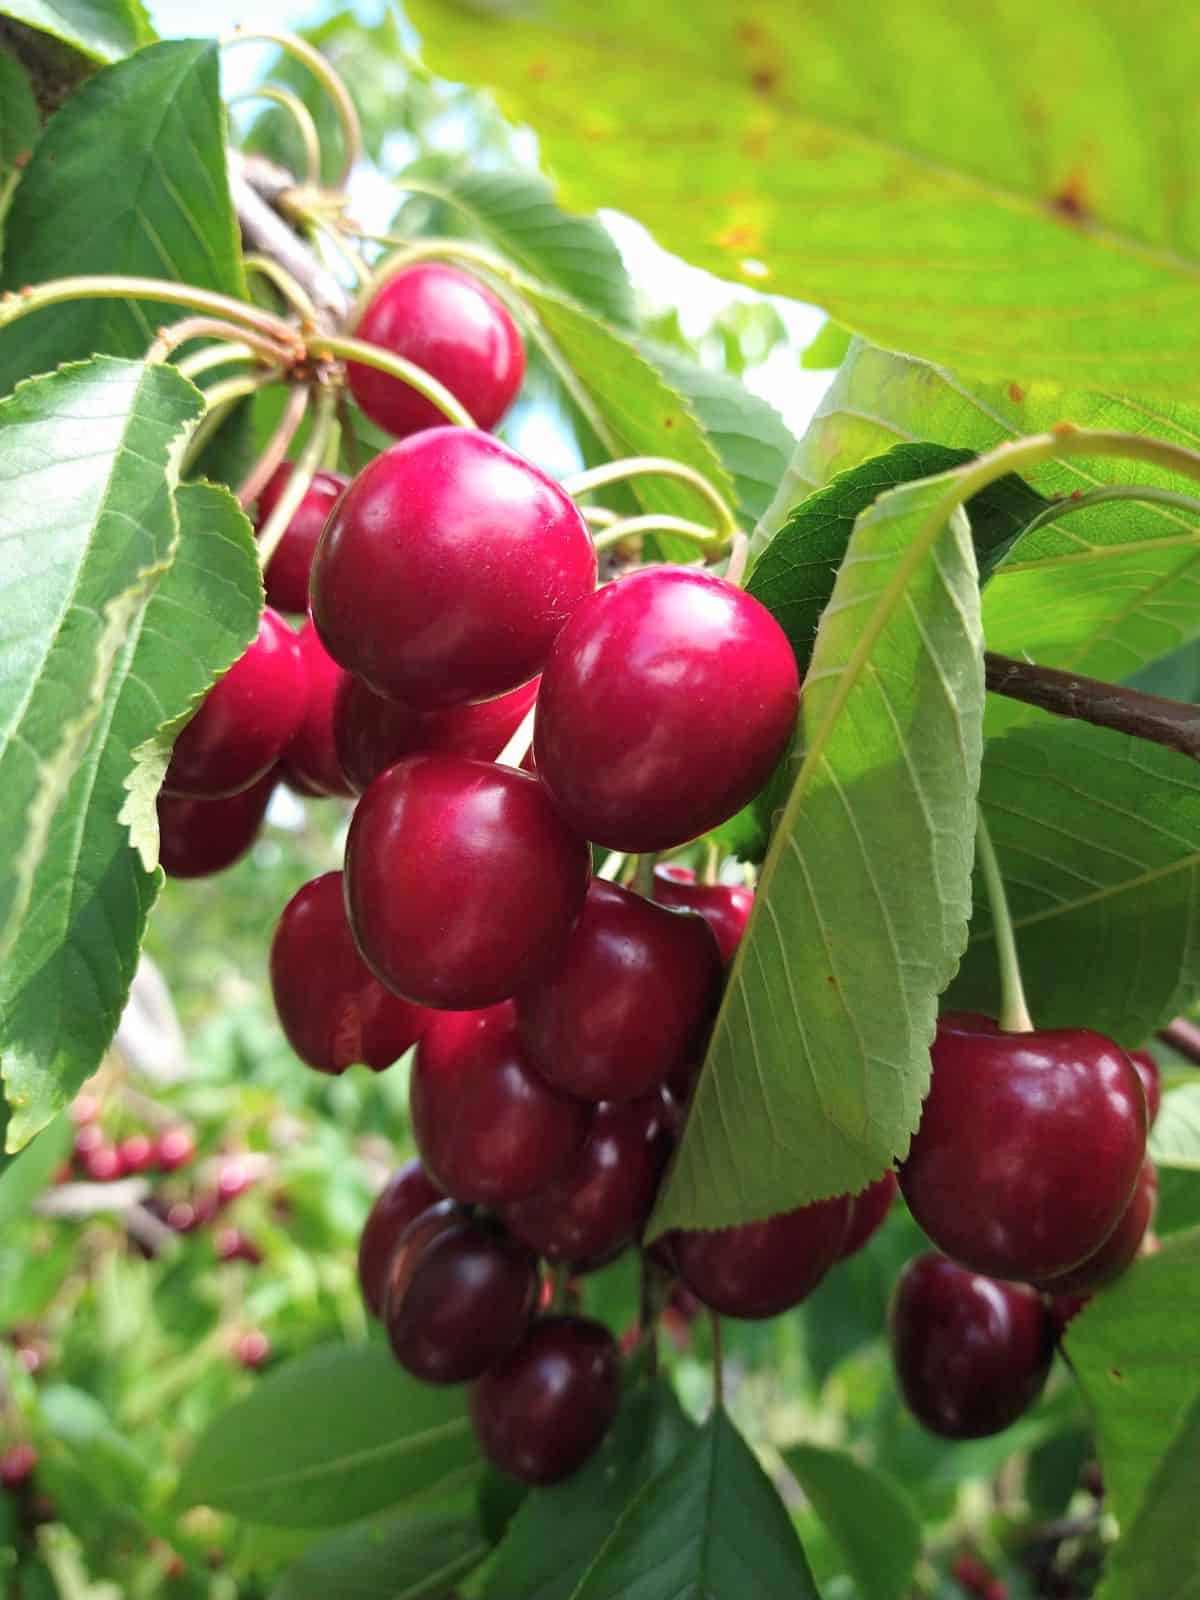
pixel 1175 1138
pixel 101 29
pixel 417 1556
pixel 975 204
pixel 23 1177
pixel 156 120
pixel 332 1436
pixel 1098 838
pixel 19 128
pixel 820 1055
pixel 851 1499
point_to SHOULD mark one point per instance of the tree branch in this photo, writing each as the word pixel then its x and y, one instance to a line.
pixel 1183 1036
pixel 258 186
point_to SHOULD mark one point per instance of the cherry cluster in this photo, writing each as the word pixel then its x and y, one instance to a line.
pixel 99 1157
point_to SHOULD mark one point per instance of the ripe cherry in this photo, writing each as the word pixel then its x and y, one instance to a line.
pixel 971 1354
pixel 629 999
pixel 103 1164
pixel 600 1204
pixel 462 881
pixel 1147 1070
pixel 665 704
pixel 231 1244
pixel 286 577
pixel 762 1268
pixel 199 837
pixel 468 1301
pixel 17 1464
pixel 252 1349
pixel 244 721
pixel 489 1129
pixel 310 760
pixel 544 1410
pixel 450 324
pixel 174 1148
pixel 868 1213
pixel 1028 1149
pixel 407 1193
pixel 724 906
pixel 137 1154
pixel 332 1009
pixel 371 733
pixel 1105 1265
pixel 448 568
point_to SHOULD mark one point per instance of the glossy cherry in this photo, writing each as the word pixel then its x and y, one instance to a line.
pixel 286 577
pixel 1028 1149
pixel 174 1148
pixel 1147 1070
pixel 244 721
pixel 600 1204
pixel 763 1268
pixel 489 1129
pixel 449 323
pixel 970 1353
pixel 665 704
pixel 468 1301
pixel 103 1164
pixel 252 1349
pixel 629 999
pixel 199 837
pixel 1105 1266
pixel 544 1410
pixel 462 881
pixel 334 1011
pixel 407 1193
pixel 724 906
pixel 311 760
pixel 448 568
pixel 137 1154
pixel 868 1213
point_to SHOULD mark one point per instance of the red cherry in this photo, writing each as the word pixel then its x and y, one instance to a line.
pixel 310 760
pixel 666 702
pixel 600 1205
pixel 543 1411
pixel 1028 1149
pixel 17 1464
pixel 199 837
pixel 333 1011
pixel 372 733
pixel 868 1213
pixel 286 577
pixel 724 906
pixel 1147 1070
pixel 411 1245
pixel 449 323
pixel 407 1193
pixel 234 1177
pixel 87 1139
pixel 103 1164
pixel 186 1216
pixel 462 881
pixel 252 1349
pixel 447 569
pixel 466 1305
pixel 489 1129
pixel 244 721
pixel 1118 1251
pixel 231 1244
pixel 1062 1307
pixel 763 1268
pixel 174 1148
pixel 137 1153
pixel 971 1354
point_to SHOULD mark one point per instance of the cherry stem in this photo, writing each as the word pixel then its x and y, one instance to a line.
pixel 276 448
pixel 1014 1014
pixel 711 873
pixel 611 866
pixel 329 80
pixel 294 293
pixel 560 1278
pixel 301 116
pixel 349 438
pixel 718 1362
pixel 515 750
pixel 300 479
pixel 221 354
pixel 104 286
pixel 619 528
pixel 582 483
pixel 735 571
pixel 408 372
pixel 1183 1036
pixel 643 878
pixel 649 1307
pixel 1115 491
pixel 173 334
pixel 219 401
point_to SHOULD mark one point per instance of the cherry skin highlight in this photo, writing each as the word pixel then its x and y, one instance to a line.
pixel 1028 1148
pixel 245 721
pixel 310 759
pixel 287 574
pixel 666 702
pixel 407 1193
pixel 971 1354
pixel 199 837
pixel 334 1011
pixel 762 1268
pixel 629 1000
pixel 724 906
pixel 452 325
pixel 462 881
pixel 868 1213
pixel 1147 1070
pixel 448 568
pixel 544 1410
pixel 1119 1250
pixel 489 1129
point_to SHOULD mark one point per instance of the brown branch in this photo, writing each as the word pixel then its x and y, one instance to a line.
pixel 1106 705
pixel 258 187
pixel 1183 1036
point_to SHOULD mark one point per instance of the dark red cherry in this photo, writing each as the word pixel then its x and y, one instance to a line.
pixel 462 881
pixel 467 1303
pixel 286 577
pixel 970 1353
pixel 600 1204
pixel 544 1410
pixel 448 568
pixel 137 1154
pixel 724 906
pixel 200 837
pixel 372 733
pixel 629 1000
pixel 331 1007
pixel 242 725
pixel 449 323
pixel 666 702
pixel 1118 1251
pixel 174 1148
pixel 489 1129
pixel 414 1240
pixel 310 760
pixel 231 1244
pixel 17 1464
pixel 868 1212
pixel 1028 1149
pixel 1146 1068
pixel 407 1193
pixel 763 1268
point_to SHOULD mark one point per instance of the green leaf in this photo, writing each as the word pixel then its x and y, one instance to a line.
pixel 19 128
pixel 709 1527
pixel 1175 1137
pixel 827 350
pixel 817 1065
pixel 101 29
pixel 867 1513
pixel 332 1436
pixel 24 1177
pixel 170 215
pixel 974 206
pixel 1177 675
pixel 418 1556
pixel 1098 838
